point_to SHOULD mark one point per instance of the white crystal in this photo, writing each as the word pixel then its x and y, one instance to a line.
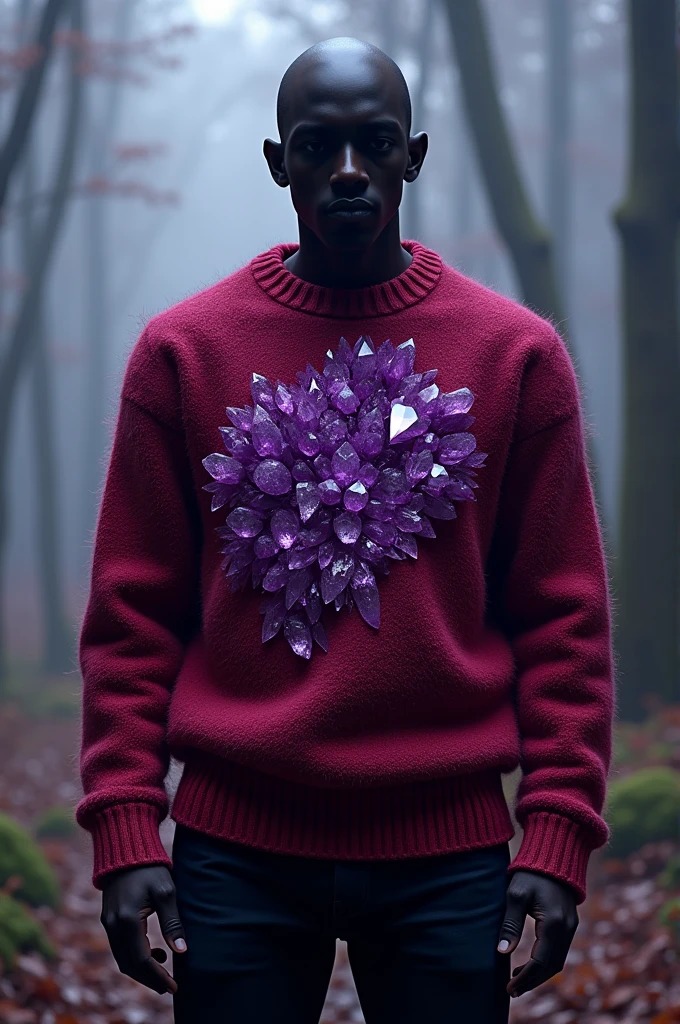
pixel 429 394
pixel 405 344
pixel 438 470
pixel 329 354
pixel 258 376
pixel 366 349
pixel 314 386
pixel 401 418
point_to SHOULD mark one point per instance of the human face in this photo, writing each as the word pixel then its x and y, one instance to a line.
pixel 346 153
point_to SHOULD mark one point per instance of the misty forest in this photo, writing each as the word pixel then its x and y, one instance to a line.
pixel 132 176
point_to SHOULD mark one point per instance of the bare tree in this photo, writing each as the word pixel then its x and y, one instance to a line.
pixel 20 348
pixel 29 95
pixel 648 572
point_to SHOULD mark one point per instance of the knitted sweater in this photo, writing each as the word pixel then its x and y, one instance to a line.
pixel 494 647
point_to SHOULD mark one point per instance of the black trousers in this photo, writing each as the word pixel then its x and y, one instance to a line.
pixel 261 931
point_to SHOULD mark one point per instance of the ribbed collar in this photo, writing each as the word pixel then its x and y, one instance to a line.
pixel 402 291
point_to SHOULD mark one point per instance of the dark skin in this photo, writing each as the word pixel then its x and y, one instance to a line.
pixel 345 139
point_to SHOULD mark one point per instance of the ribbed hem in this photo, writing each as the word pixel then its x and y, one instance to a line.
pixel 402 291
pixel 125 835
pixel 229 801
pixel 556 846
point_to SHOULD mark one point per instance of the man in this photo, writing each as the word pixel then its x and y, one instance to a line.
pixel 353 792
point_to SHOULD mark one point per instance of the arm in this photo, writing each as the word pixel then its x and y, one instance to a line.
pixel 142 608
pixel 551 594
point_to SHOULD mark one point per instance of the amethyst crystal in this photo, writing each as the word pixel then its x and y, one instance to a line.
pixel 331 477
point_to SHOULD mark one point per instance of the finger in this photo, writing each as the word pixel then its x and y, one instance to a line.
pixel 528 976
pixel 553 938
pixel 513 923
pixel 165 904
pixel 132 953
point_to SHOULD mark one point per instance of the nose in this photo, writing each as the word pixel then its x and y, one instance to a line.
pixel 349 174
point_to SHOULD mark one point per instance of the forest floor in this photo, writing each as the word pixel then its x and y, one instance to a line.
pixel 623 967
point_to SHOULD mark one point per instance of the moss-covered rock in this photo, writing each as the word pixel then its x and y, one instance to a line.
pixel 22 858
pixel 20 932
pixel 55 823
pixel 643 807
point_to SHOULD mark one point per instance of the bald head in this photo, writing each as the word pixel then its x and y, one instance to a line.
pixel 339 66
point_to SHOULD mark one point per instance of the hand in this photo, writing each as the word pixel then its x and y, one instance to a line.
pixel 129 897
pixel 553 905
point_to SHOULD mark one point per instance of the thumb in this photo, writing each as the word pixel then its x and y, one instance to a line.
pixel 513 924
pixel 165 901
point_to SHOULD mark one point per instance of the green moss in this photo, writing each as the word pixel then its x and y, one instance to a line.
pixel 19 931
pixel 21 857
pixel 643 807
pixel 55 823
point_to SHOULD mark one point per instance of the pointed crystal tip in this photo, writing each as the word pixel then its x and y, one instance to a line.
pixel 401 418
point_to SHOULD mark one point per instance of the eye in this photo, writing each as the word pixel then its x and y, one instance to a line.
pixel 312 146
pixel 382 145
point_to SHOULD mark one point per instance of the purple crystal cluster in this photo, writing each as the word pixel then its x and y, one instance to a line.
pixel 331 478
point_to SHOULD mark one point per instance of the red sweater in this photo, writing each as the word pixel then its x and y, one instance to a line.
pixel 494 646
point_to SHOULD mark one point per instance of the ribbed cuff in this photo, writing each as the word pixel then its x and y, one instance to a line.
pixel 125 835
pixel 556 846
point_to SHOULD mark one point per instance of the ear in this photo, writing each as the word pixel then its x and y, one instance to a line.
pixel 417 148
pixel 273 154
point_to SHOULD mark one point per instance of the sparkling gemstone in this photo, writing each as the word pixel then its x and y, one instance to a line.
pixel 272 477
pixel 365 593
pixel 308 499
pixel 336 575
pixel 262 392
pixel 453 448
pixel 273 619
pixel 284 399
pixel 368 474
pixel 407 542
pixel 326 552
pixel 265 546
pixel 456 401
pixel 329 492
pixel 298 581
pixel 300 557
pixel 322 465
pixel 302 471
pixel 313 386
pixel 355 497
pixel 381 533
pixel 299 635
pixel 237 444
pixel 319 634
pixel 276 577
pixel 244 522
pixel 346 401
pixel 439 508
pixel 266 435
pixel 345 464
pixel 241 418
pixel 347 526
pixel 224 468
pixel 365 349
pixel 418 465
pixel 313 604
pixel 306 412
pixel 401 418
pixel 285 526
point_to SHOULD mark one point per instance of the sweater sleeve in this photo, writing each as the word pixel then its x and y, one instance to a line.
pixel 142 608
pixel 552 597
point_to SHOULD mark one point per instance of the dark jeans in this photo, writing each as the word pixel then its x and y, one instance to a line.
pixel 261 930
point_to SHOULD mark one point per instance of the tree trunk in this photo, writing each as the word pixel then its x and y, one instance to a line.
pixel 527 241
pixel 411 207
pixel 29 95
pixel 58 642
pixel 102 128
pixel 648 573
pixel 19 351
pixel 558 124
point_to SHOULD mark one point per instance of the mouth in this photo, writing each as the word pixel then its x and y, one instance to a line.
pixel 351 208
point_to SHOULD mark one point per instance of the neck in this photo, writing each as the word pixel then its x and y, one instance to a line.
pixel 338 268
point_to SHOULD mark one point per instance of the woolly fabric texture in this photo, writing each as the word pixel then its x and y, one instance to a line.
pixel 332 476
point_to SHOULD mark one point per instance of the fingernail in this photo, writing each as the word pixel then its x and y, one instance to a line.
pixel 180 945
pixel 503 945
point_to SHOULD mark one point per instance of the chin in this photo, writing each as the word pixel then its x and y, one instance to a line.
pixel 349 238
